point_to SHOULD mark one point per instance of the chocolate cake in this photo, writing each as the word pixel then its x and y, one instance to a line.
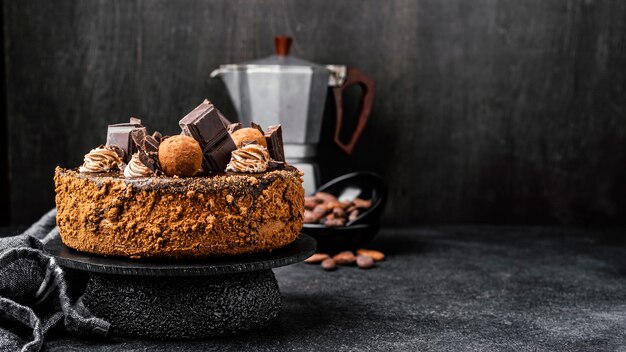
pixel 167 201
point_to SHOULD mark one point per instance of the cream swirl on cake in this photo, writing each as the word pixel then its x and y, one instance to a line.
pixel 101 159
pixel 251 158
pixel 136 168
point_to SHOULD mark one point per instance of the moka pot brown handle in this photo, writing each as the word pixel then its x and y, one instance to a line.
pixel 353 76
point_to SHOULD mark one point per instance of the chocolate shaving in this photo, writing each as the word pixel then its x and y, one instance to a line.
pixel 206 125
pixel 274 139
pixel 157 135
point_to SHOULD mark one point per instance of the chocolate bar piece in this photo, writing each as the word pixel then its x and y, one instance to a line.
pixel 137 136
pixel 205 124
pixel 149 162
pixel 120 135
pixel 274 139
pixel 151 144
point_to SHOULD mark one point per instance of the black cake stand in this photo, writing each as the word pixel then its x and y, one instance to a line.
pixel 177 300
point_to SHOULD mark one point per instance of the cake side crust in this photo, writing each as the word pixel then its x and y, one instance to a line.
pixel 179 218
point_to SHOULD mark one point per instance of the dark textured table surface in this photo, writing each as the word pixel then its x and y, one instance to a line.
pixel 443 288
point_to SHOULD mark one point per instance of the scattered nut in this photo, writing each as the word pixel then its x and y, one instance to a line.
pixel 335 222
pixel 364 262
pixel 310 217
pixel 345 258
pixel 339 213
pixel 319 210
pixel 310 202
pixel 324 208
pixel 317 258
pixel 326 197
pixel 331 204
pixel 362 203
pixel 377 256
pixel 329 264
pixel 345 205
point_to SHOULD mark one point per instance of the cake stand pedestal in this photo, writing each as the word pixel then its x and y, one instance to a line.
pixel 183 300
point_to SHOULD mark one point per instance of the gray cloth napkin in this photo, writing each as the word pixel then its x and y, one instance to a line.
pixel 33 292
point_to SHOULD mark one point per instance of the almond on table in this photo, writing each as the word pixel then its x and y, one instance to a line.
pixel 364 262
pixel 376 255
pixel 317 258
pixel 345 258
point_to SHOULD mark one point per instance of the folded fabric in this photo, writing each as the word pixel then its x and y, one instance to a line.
pixel 33 292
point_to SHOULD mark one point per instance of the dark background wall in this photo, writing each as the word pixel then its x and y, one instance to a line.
pixel 500 111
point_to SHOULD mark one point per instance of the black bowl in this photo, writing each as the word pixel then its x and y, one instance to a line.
pixel 365 185
pixel 356 233
pixel 336 239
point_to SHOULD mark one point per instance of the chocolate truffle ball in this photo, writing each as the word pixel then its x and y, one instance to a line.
pixel 248 134
pixel 180 156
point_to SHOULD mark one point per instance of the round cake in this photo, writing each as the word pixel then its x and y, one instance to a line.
pixel 220 214
pixel 208 191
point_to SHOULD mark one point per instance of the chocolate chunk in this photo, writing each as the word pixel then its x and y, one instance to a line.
pixel 274 139
pixel 257 126
pixel 119 135
pixel 157 135
pixel 205 124
pixel 151 144
pixel 274 165
pixel 147 161
pixel 137 136
pixel 234 127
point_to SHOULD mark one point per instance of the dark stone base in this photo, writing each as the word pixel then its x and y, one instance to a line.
pixel 184 307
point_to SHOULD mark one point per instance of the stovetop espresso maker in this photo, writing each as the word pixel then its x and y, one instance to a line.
pixel 286 90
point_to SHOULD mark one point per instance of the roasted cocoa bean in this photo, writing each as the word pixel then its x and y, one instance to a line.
pixel 331 204
pixel 362 203
pixel 375 255
pixel 364 262
pixel 353 215
pixel 317 258
pixel 310 217
pixel 325 197
pixel 345 258
pixel 310 202
pixel 329 264
pixel 334 222
pixel 320 210
pixel 339 213
pixel 345 205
